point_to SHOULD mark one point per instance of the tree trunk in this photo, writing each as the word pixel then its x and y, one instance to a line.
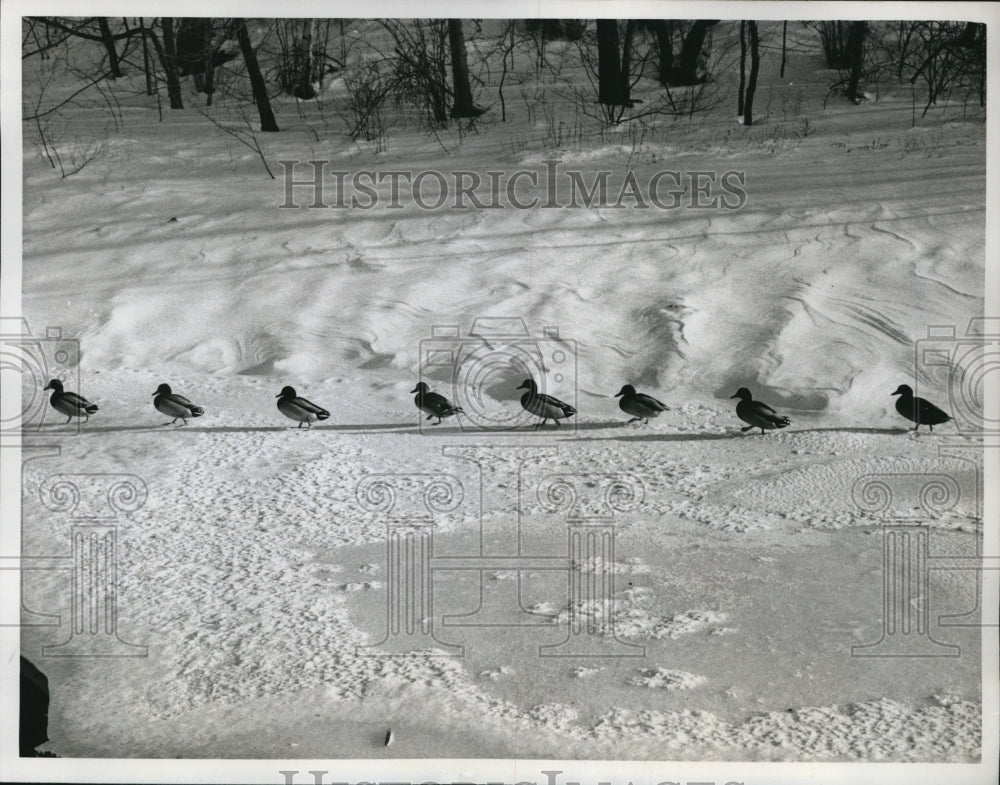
pixel 903 41
pixel 609 71
pixel 302 57
pixel 686 72
pixel 754 70
pixel 463 106
pixel 267 121
pixel 318 56
pixel 169 41
pixel 784 48
pixel 147 61
pixel 664 49
pixel 343 44
pixel 109 43
pixel 625 72
pixel 209 65
pixel 743 69
pixel 855 54
pixel 166 54
pixel 507 54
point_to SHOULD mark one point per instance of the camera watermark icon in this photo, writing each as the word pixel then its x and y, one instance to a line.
pixel 28 362
pixel 588 503
pixel 962 364
pixel 94 504
pixel 907 561
pixel 480 371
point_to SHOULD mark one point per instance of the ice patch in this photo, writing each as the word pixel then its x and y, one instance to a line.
pixel 494 674
pixel 557 716
pixel 362 586
pixel 632 566
pixel 632 619
pixel 662 678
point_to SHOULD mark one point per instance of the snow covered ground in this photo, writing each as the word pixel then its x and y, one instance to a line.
pixel 747 570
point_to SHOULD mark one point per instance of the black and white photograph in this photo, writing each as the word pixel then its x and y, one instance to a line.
pixel 551 393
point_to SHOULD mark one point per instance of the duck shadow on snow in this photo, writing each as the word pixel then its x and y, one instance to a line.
pixel 166 428
pixel 615 431
pixel 662 437
pixel 170 427
pixel 883 431
pixel 653 436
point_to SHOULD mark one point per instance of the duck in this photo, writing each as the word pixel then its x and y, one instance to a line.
pixel 545 406
pixel 174 405
pixel 299 409
pixel 432 404
pixel 69 403
pixel 639 405
pixel 758 413
pixel 918 410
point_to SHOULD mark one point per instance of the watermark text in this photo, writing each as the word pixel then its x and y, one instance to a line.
pixel 313 184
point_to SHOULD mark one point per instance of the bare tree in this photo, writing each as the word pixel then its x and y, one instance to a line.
pixel 296 65
pixel 507 44
pixel 833 37
pixel 663 32
pixel 147 61
pixel 784 48
pixel 168 57
pixel 686 69
pixel 369 86
pixel 628 51
pixel 855 57
pixel 419 63
pixel 751 86
pixel 463 105
pixel 953 54
pixel 109 45
pixel 59 87
pixel 257 85
pixel 612 64
pixel 208 65
pixel 740 92
pixel 83 28
pixel 304 62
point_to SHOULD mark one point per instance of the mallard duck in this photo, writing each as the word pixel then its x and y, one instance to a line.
pixel 432 404
pixel 544 406
pixel 299 409
pixel 639 405
pixel 69 403
pixel 917 409
pixel 174 405
pixel 758 413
